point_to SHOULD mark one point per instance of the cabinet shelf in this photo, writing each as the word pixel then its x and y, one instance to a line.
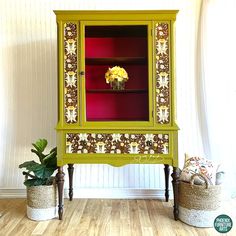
pixel 116 60
pixel 116 91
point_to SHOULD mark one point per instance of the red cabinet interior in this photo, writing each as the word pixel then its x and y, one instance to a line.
pixel 124 46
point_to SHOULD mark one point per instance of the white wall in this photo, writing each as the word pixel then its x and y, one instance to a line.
pixel 28 89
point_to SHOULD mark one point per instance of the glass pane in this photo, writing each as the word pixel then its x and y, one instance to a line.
pixel 124 95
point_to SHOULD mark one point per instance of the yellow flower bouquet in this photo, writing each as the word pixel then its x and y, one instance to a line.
pixel 116 76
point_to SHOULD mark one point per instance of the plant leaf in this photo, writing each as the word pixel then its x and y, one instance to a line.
pixel 27 164
pixel 50 180
pixel 50 159
pixel 40 145
pixel 34 182
pixel 48 172
pixel 38 170
pixel 52 162
pixel 43 172
pixel 40 155
pixel 54 150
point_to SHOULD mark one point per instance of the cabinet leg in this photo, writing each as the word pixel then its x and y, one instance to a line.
pixel 175 182
pixel 70 172
pixel 60 183
pixel 167 173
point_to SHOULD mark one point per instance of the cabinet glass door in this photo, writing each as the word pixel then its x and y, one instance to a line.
pixel 123 47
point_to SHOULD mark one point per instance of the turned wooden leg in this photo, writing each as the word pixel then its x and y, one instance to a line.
pixel 70 172
pixel 167 173
pixel 175 182
pixel 60 183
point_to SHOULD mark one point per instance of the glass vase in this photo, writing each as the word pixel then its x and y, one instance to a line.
pixel 117 85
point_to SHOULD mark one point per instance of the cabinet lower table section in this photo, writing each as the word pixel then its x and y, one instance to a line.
pixel 117 149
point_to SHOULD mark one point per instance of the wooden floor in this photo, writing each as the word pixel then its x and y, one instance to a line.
pixel 103 217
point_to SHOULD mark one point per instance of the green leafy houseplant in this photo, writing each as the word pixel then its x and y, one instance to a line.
pixel 40 173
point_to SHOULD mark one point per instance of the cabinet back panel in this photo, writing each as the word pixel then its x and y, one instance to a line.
pixel 117 107
pixel 116 47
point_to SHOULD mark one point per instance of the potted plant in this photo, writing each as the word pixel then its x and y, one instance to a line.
pixel 40 183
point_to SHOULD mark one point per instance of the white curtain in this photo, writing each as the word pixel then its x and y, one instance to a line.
pixel 216 84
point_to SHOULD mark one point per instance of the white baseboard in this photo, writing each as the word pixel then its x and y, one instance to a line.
pixel 12 193
pixel 119 193
pixel 108 193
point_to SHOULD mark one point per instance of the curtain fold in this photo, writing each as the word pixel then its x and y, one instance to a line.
pixel 216 84
pixel 201 105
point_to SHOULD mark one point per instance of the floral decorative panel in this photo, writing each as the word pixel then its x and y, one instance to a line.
pixel 162 73
pixel 117 143
pixel 70 73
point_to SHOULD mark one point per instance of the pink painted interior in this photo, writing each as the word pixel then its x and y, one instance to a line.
pixel 116 47
pixel 114 106
pixel 119 106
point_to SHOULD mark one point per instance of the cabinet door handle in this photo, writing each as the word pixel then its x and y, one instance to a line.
pixel 82 73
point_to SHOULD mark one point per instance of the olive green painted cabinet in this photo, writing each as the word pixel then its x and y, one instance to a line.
pixel 102 123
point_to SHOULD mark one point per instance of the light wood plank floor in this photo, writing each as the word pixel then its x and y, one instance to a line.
pixel 104 217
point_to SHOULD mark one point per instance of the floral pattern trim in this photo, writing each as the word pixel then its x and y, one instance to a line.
pixel 117 143
pixel 162 73
pixel 70 73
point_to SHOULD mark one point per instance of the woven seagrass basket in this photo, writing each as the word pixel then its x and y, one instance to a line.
pixel 199 205
pixel 42 202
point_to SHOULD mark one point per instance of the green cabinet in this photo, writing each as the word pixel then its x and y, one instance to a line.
pixel 99 122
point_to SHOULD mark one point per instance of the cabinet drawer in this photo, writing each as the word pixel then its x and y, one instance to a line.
pixel 118 143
